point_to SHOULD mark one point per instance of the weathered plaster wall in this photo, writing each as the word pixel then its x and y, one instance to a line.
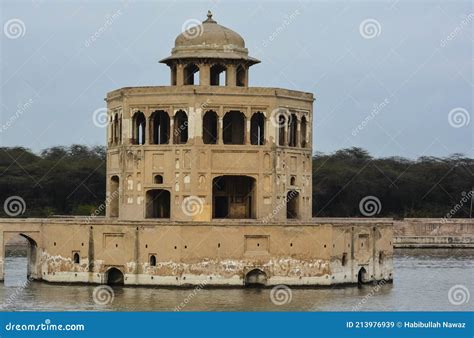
pixel 218 254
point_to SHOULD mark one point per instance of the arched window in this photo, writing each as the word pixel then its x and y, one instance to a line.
pixel 191 74
pixel 292 180
pixel 292 130
pixel 241 76
pixel 76 258
pixel 180 128
pixel 209 127
pixel 218 75
pixel 152 260
pixel 303 129
pixel 114 196
pixel 158 179
pixel 257 129
pixel 281 129
pixel 139 128
pixel 160 126
pixel 116 130
pixel 234 128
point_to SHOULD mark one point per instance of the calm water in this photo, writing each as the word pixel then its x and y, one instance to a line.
pixel 423 279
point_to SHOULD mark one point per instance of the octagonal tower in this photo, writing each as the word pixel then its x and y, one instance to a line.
pixel 209 146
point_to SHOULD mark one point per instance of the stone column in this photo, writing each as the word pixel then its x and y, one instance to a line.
pixel 231 75
pixel 179 74
pixel 220 134
pixel 247 127
pixel 298 132
pixel 204 74
pixel 171 133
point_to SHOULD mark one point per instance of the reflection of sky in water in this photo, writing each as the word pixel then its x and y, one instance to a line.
pixel 422 281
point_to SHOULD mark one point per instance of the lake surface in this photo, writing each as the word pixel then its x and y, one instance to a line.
pixel 423 279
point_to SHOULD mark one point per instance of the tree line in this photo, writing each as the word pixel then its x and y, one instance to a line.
pixel 71 181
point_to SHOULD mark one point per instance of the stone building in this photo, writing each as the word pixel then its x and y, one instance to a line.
pixel 208 183
pixel 209 146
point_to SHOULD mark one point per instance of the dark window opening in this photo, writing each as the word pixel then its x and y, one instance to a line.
pixel 139 128
pixel 234 128
pixel 158 179
pixel 218 75
pixel 241 76
pixel 76 258
pixel 303 130
pixel 293 180
pixel 209 128
pixel 160 126
pixel 191 74
pixel 234 197
pixel 362 276
pixel 173 75
pixel 344 259
pixel 180 128
pixel 157 203
pixel 292 204
pixel 152 260
pixel 292 130
pixel 257 129
pixel 114 196
pixel 281 130
pixel 381 257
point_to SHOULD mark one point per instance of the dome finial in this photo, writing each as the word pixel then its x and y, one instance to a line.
pixel 209 17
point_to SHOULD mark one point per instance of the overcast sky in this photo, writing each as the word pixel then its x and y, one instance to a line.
pixel 392 77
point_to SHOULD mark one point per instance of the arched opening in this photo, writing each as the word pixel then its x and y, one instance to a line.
pixel 292 204
pixel 160 126
pixel 281 129
pixel 241 76
pixel 234 128
pixel 180 128
pixel 293 180
pixel 256 277
pixel 116 130
pixel 158 179
pixel 218 75
pixel 233 197
pixel 292 130
pixel 191 74
pixel 139 125
pixel 173 75
pixel 20 260
pixel 114 196
pixel 362 276
pixel 158 203
pixel 303 130
pixel 114 277
pixel 209 127
pixel 152 260
pixel 76 258
pixel 257 129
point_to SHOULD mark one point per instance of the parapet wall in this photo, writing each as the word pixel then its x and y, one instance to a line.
pixel 222 253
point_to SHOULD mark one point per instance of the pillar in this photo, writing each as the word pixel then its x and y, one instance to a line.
pixel 231 75
pixel 204 74
pixel 179 74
